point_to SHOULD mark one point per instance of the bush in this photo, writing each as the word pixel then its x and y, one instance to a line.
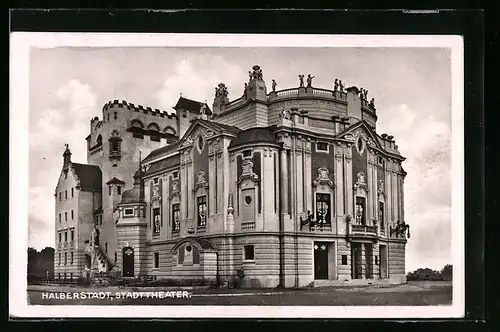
pixel 235 282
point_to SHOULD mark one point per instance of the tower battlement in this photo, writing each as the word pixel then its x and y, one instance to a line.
pixel 137 108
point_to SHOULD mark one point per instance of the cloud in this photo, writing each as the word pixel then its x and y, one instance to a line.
pixel 64 121
pixel 198 84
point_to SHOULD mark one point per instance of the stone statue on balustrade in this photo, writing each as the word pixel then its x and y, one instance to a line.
pixel 372 102
pixel 361 93
pixel 309 80
pixel 301 81
pixel 273 85
pixel 221 91
pixel 245 90
pixel 365 94
pixel 336 85
pixel 341 85
pixel 285 114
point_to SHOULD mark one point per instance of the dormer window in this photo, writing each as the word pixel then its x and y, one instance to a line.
pixel 247 153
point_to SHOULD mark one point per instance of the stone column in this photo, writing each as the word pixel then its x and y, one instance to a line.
pixel 307 176
pixel 348 184
pixel 339 181
pixel 369 182
pixel 284 182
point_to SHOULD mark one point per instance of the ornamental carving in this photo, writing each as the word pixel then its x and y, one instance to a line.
pixel 201 182
pixel 175 189
pixel 323 177
pixel 156 193
pixel 360 186
pixel 255 74
pixel 247 171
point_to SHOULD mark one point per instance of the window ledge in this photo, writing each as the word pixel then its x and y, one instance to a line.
pixel 249 261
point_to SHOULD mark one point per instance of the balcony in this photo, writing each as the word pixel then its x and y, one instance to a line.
pixel 363 231
pixel 59 246
pixel 317 228
pixel 247 225
pixel 71 245
pixel 65 245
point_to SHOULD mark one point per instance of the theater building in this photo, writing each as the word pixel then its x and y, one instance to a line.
pixel 285 188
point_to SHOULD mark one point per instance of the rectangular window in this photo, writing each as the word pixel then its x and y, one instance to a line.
pixel 60 237
pixel 59 261
pixel 180 256
pixel 60 197
pixel 71 258
pixel 65 258
pixel 376 260
pixel 128 212
pixel 119 190
pixel 100 219
pixel 71 274
pixel 320 146
pixel 116 115
pixel 176 175
pixel 344 259
pixel 247 153
pixel 72 192
pixel 156 221
pixel 65 216
pixel 72 215
pixel 109 190
pixel 176 217
pixel 60 219
pixel 66 236
pixel 248 253
pixel 360 211
pixel 72 235
pixel 323 212
pixel 65 194
pixel 155 180
pixel 202 210
pixel 157 260
pixel 381 161
pixel 65 175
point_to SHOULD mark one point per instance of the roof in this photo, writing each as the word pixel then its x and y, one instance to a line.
pixel 114 180
pixel 89 176
pixel 222 127
pixel 162 151
pixel 164 164
pixel 132 196
pixel 254 135
pixel 191 105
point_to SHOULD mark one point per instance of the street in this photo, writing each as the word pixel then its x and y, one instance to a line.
pixel 402 295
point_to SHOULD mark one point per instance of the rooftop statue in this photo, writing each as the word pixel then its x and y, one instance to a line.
pixel 361 93
pixel 301 81
pixel 256 74
pixel 341 85
pixel 221 91
pixel 273 84
pixel 372 102
pixel 336 85
pixel 309 80
pixel 365 93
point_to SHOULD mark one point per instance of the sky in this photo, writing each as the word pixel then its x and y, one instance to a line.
pixel 411 87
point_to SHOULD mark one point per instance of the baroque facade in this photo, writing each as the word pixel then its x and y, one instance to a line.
pixel 286 188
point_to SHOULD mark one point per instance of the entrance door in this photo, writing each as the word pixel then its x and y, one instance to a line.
pixel 320 260
pixel 383 261
pixel 128 262
pixel 368 261
pixel 356 265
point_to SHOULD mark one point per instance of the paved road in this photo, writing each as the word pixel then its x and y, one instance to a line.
pixel 411 294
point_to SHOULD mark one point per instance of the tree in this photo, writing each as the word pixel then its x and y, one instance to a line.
pixel 447 272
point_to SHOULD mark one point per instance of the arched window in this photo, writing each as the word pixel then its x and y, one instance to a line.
pixel 137 123
pixel 153 127
pixel 170 130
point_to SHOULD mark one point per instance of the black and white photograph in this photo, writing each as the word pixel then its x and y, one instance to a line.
pixel 243 175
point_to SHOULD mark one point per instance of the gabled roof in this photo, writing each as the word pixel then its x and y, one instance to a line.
pixel 191 105
pixel 254 135
pixel 89 177
pixel 216 127
pixel 367 129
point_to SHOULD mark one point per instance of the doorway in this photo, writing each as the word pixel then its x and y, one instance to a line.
pixel 128 262
pixel 356 264
pixel 320 260
pixel 368 261
pixel 383 261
